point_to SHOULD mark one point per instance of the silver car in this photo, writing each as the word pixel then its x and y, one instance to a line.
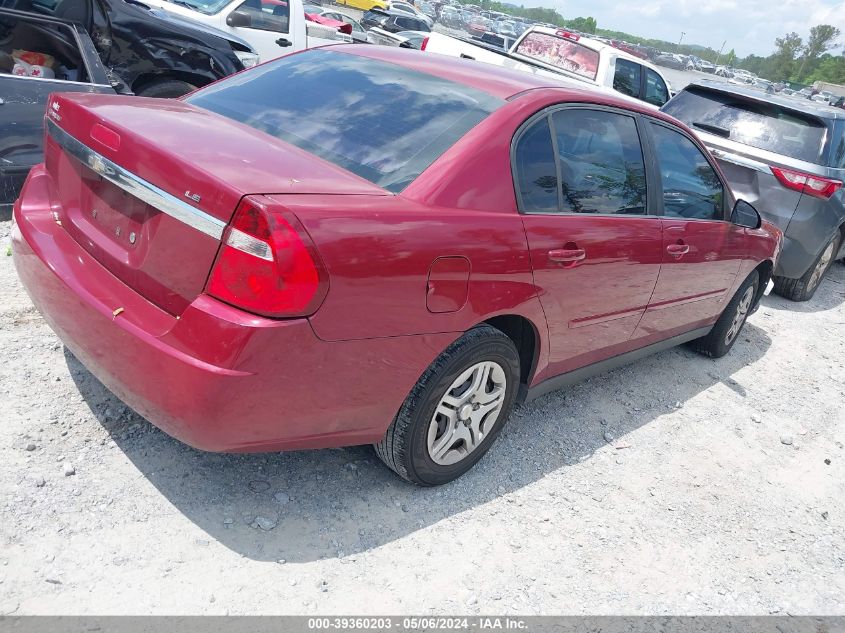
pixel 786 157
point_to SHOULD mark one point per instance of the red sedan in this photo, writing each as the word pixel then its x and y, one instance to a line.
pixel 369 245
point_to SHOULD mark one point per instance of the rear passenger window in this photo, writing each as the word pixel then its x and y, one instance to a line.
pixel 536 172
pixel 626 79
pixel 601 162
pixel 656 92
pixel 691 188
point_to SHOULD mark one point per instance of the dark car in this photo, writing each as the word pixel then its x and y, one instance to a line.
pixel 668 60
pixel 451 17
pixel 155 53
pixel 75 67
pixel 787 157
pixel 130 48
pixel 393 21
pixel 494 39
pixel 464 238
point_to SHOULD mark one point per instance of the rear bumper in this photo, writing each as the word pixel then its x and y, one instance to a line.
pixel 215 378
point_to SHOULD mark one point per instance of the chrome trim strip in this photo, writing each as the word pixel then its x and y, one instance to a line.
pixel 63 82
pixel 135 186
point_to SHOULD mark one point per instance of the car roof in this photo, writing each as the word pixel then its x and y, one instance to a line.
pixel 801 105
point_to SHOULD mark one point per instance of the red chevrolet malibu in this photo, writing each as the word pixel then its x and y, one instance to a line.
pixel 367 245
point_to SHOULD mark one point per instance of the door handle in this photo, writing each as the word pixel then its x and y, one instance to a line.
pixel 283 42
pixel 567 255
pixel 676 250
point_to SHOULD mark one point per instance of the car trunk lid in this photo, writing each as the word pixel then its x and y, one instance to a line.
pixel 147 186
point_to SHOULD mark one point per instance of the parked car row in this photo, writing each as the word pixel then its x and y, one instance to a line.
pixel 689 62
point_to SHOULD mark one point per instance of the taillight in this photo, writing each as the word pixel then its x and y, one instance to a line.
pixel 267 263
pixel 424 43
pixel 810 184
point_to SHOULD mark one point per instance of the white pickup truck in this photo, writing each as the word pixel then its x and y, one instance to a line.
pixel 272 27
pixel 567 57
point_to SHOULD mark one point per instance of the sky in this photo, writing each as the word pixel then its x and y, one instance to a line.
pixel 749 26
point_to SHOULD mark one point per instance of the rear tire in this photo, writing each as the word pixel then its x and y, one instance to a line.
pixel 722 337
pixel 455 411
pixel 166 89
pixel 803 288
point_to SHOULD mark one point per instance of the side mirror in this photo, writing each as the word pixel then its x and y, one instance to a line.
pixel 746 215
pixel 239 19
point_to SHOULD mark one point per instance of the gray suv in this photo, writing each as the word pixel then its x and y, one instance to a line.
pixel 784 155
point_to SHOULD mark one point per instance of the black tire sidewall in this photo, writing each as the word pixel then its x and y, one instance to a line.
pixel 419 464
pixel 166 89
pixel 722 326
pixel 808 275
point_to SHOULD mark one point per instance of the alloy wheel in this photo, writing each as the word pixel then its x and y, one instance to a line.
pixel 739 316
pixel 822 265
pixel 466 413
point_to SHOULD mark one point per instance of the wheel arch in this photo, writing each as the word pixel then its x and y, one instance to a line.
pixel 764 270
pixel 526 338
pixel 147 79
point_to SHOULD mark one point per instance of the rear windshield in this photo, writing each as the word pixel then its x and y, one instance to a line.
pixel 557 51
pixel 381 121
pixel 759 124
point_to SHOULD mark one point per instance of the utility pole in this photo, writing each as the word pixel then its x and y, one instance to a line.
pixel 682 38
pixel 719 56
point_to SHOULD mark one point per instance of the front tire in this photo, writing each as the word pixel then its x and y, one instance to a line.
pixel 166 89
pixel 803 288
pixel 722 337
pixel 455 411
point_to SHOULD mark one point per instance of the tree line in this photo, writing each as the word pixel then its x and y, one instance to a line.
pixel 802 62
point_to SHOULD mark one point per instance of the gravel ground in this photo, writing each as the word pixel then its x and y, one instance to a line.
pixel 676 485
